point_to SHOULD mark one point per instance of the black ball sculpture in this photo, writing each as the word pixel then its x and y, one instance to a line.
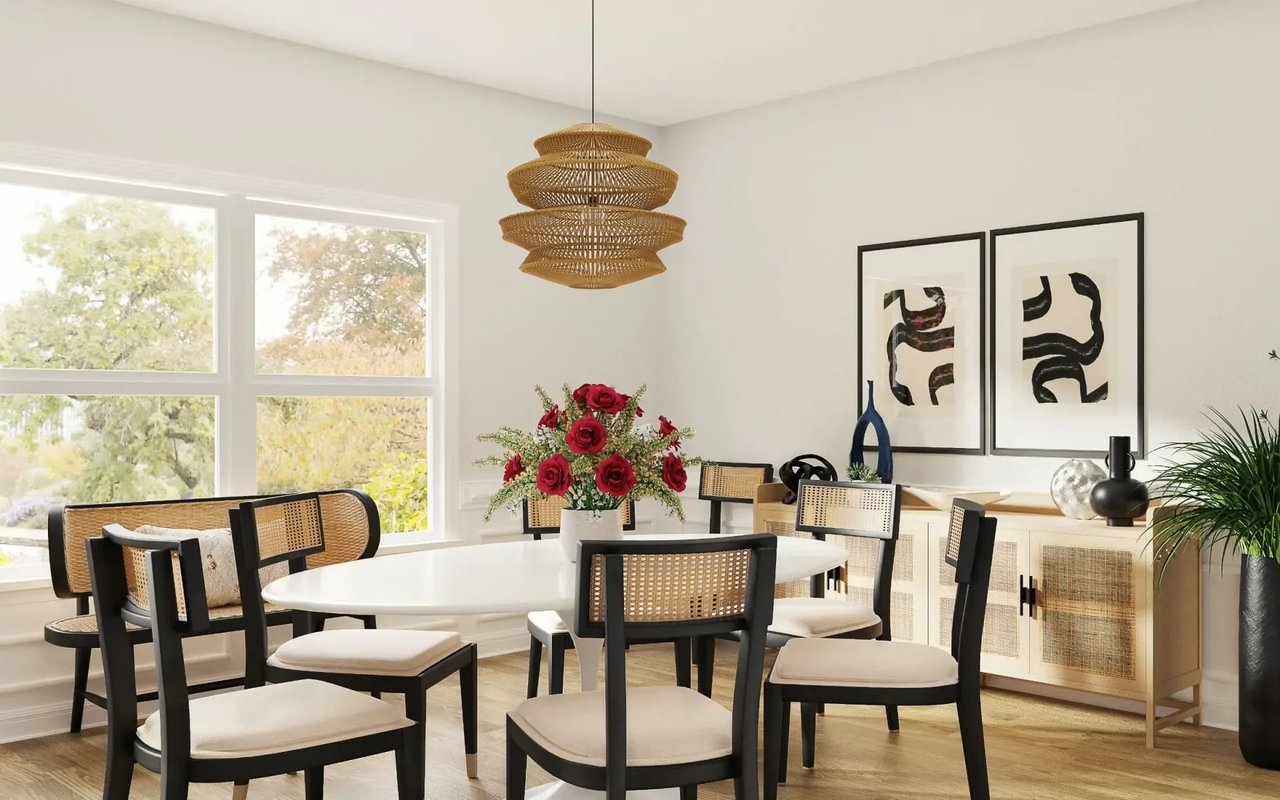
pixel 799 469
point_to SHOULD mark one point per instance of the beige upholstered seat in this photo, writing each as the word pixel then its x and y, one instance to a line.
pixel 366 652
pixel 815 617
pixel 548 621
pixel 857 662
pixel 665 725
pixel 277 718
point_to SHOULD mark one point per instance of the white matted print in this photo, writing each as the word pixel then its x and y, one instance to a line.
pixel 921 329
pixel 1066 316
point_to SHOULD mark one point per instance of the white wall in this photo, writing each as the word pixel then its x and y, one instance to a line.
pixel 114 82
pixel 1172 114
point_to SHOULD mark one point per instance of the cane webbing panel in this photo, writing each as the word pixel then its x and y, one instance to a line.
pixel 902 615
pixel 1087 604
pixel 88 623
pixel 346 527
pixel 851 508
pixel 1000 632
pixel 544 513
pixel 676 587
pixel 286 528
pixel 955 531
pixel 731 483
pixel 864 557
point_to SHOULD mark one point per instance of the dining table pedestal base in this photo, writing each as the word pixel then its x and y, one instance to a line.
pixel 563 791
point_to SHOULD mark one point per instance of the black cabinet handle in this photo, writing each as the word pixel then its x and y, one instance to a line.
pixel 1022 593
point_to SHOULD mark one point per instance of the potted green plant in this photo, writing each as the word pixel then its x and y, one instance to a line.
pixel 1223 491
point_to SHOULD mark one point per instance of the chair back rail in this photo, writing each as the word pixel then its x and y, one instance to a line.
pixel 864 510
pixel 730 482
pixel 640 591
pixel 971 540
pixel 541 515
pixel 350 519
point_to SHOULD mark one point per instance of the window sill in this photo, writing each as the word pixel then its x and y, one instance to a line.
pixel 395 543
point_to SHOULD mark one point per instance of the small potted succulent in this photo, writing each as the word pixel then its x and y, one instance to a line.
pixel 592 452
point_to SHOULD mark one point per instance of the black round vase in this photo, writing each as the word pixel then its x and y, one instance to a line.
pixel 1260 661
pixel 1120 498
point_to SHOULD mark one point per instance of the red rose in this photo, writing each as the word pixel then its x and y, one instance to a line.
pixel 551 419
pixel 586 436
pixel 580 394
pixel 615 477
pixel 665 428
pixel 554 477
pixel 513 468
pixel 604 398
pixel 626 398
pixel 673 474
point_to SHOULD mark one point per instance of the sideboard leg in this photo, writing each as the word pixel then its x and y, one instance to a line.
pixel 1151 723
pixel 1195 699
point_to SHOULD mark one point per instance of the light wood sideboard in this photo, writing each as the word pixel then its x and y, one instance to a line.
pixel 1074 604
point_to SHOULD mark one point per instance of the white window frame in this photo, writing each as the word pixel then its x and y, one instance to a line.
pixel 232 380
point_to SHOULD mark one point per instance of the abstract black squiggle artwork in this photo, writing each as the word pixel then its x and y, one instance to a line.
pixel 1058 356
pixel 919 330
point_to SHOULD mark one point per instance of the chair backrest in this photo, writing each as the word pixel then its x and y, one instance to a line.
pixel 350 518
pixel 289 528
pixel 638 591
pixel 971 538
pixel 730 482
pixel 541 515
pixel 864 510
pixel 176 609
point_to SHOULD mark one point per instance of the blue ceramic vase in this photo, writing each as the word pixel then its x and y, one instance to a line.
pixel 884 453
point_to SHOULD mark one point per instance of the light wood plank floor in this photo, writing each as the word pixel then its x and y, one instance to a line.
pixel 1037 749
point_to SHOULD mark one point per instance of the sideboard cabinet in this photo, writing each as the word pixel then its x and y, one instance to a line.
pixel 1072 603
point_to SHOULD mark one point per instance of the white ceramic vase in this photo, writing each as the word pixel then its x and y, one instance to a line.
pixel 575 526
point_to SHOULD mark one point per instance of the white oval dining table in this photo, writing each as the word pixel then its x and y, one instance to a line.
pixel 507 577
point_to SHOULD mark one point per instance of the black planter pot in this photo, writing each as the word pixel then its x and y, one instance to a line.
pixel 1260 661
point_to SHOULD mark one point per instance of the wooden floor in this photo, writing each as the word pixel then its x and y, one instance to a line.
pixel 1037 750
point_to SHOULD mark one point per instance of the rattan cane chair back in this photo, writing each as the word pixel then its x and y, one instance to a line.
pixel 541 515
pixel 855 509
pixel 969 551
pixel 730 482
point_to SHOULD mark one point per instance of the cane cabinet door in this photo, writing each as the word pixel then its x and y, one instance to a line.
pixel 1005 643
pixel 1086 632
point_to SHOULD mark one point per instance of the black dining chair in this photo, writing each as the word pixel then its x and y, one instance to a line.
pixel 859 672
pixel 655 736
pixel 721 482
pixel 226 738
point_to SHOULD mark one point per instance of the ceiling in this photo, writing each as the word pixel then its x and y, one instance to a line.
pixel 658 61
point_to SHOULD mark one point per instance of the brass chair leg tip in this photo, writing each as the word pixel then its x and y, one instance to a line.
pixel 473 771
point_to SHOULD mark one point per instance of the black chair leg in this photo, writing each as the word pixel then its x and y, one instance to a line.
pixel 786 742
pixel 706 652
pixel 689 792
pixel 808 733
pixel 555 673
pixel 747 785
pixel 370 623
pixel 80 684
pixel 313 783
pixel 469 683
pixel 119 775
pixel 415 708
pixel 174 784
pixel 410 780
pixel 517 765
pixel 891 715
pixel 772 739
pixel 535 666
pixel 684 663
pixel 969 708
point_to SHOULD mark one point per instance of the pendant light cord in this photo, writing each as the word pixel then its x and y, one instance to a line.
pixel 593 62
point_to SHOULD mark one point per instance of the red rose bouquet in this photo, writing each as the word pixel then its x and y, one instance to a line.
pixel 591 452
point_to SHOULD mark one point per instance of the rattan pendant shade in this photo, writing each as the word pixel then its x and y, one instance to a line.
pixel 592 192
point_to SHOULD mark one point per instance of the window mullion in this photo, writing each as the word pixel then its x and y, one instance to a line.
pixel 237 406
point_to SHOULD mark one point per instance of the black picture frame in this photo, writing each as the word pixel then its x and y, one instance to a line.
pixel 1139 433
pixel 981 238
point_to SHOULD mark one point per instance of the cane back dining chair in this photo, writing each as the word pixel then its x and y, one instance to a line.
pixel 852 511
pixel 351 521
pixel 290 529
pixel 234 737
pixel 853 672
pixel 541 516
pixel 655 736
pixel 723 482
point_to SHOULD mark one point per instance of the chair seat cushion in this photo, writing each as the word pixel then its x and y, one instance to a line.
pixel 397 653
pixel 548 622
pixel 869 663
pixel 815 617
pixel 665 725
pixel 278 718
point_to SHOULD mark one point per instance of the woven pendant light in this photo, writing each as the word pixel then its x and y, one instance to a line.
pixel 592 192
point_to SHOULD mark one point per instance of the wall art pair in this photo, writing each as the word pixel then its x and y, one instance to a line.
pixel 1058 317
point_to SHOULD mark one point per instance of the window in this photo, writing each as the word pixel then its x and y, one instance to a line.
pixel 159 343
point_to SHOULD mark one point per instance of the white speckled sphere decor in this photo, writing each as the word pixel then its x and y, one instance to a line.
pixel 1071 485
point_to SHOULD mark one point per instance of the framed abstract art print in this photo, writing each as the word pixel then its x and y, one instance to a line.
pixel 921 331
pixel 1066 336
